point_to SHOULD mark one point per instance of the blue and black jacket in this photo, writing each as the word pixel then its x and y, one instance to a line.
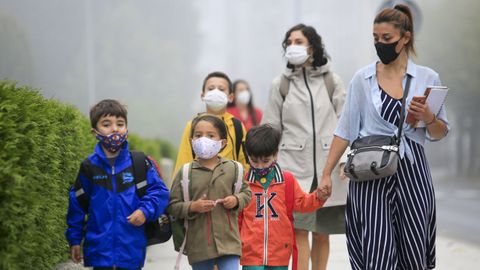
pixel 109 240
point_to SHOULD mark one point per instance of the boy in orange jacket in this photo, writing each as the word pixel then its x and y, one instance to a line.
pixel 266 226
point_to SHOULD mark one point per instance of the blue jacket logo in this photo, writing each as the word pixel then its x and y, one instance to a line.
pixel 127 177
pixel 99 177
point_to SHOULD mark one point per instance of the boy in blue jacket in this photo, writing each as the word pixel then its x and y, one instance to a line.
pixel 105 192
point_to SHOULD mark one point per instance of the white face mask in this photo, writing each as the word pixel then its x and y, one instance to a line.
pixel 215 100
pixel 296 54
pixel 206 148
pixel 243 97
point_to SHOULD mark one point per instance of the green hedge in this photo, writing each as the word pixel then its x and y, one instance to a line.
pixel 42 143
pixel 156 148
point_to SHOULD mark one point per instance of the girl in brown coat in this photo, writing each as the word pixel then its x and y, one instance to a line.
pixel 212 211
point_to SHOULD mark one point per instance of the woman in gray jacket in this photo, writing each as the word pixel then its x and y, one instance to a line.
pixel 305 103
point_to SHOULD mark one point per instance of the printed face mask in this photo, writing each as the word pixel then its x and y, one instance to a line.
pixel 215 100
pixel 112 142
pixel 243 97
pixel 296 54
pixel 386 52
pixel 206 148
pixel 262 172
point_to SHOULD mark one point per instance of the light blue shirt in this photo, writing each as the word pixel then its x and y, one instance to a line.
pixel 361 114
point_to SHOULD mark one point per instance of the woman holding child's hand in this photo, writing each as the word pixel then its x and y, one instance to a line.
pixel 391 221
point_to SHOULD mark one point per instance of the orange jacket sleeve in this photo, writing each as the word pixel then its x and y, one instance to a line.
pixel 304 202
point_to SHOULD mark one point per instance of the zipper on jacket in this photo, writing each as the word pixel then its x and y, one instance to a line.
pixel 265 228
pixel 315 177
pixel 114 214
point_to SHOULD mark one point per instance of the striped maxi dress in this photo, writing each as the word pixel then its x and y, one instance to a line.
pixel 391 222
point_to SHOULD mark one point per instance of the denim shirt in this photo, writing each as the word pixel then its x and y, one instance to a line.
pixel 361 114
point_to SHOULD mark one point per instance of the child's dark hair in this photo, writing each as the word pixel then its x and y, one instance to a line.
pixel 262 141
pixel 214 120
pixel 218 74
pixel 107 107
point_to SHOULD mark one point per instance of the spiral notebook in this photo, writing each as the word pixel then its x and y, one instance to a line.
pixel 436 96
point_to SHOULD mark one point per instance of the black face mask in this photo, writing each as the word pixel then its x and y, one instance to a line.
pixel 386 52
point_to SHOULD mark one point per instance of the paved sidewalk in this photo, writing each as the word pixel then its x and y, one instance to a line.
pixel 451 255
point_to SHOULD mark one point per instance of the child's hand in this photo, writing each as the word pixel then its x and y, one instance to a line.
pixel 137 218
pixel 230 202
pixel 322 194
pixel 202 205
pixel 75 253
pixel 324 190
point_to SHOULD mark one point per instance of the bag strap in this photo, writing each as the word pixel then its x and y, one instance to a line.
pixel 139 166
pixel 237 125
pixel 402 113
pixel 284 86
pixel 239 181
pixel 327 78
pixel 289 202
pixel 289 196
pixel 329 84
pixel 185 182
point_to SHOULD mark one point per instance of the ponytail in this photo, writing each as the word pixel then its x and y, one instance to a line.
pixel 401 17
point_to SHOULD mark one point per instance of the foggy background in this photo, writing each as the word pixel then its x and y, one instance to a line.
pixel 153 55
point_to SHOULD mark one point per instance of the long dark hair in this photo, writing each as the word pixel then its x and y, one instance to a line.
pixel 320 56
pixel 250 107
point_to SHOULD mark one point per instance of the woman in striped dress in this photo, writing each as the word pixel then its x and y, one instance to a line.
pixel 391 221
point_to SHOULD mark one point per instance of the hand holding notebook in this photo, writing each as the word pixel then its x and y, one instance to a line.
pixel 435 97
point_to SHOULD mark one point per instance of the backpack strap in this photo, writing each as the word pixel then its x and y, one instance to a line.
pixel 156 166
pixel 284 86
pixel 237 125
pixel 185 182
pixel 186 169
pixel 140 167
pixel 327 78
pixel 330 84
pixel 289 202
pixel 239 181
